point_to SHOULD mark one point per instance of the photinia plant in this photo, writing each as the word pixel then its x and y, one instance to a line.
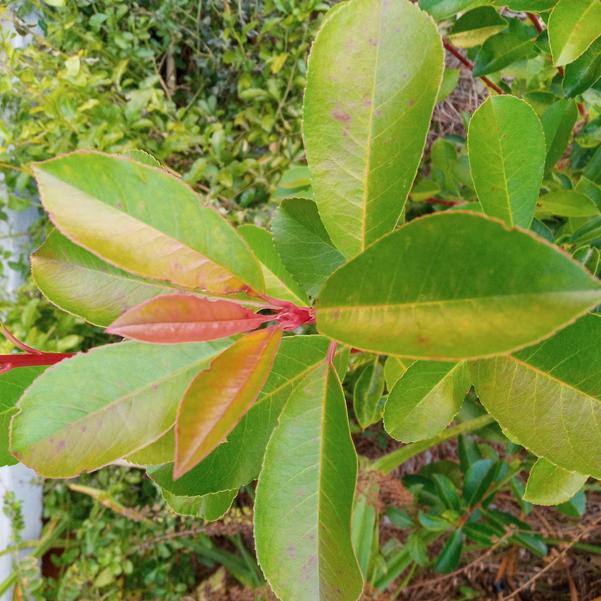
pixel 238 341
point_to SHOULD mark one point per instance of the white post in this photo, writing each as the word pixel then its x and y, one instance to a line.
pixel 18 479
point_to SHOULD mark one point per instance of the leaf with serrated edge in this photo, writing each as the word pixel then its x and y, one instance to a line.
pixel 305 495
pixel 177 318
pixel 507 154
pixel 373 78
pixel 219 397
pixel 102 405
pixel 549 484
pixel 451 286
pixel 80 283
pixel 238 460
pixel 146 221
pixel 425 400
pixel 548 397
pixel 573 26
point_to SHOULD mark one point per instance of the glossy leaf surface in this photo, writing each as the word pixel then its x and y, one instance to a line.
pixel 220 396
pixel 373 79
pixel 238 460
pixel 394 368
pixel 279 282
pixel 425 399
pixel 79 282
pixel 584 72
pixel 177 318
pixel 548 396
pixel 304 244
pixel 475 26
pixel 146 221
pixel 507 158
pixel 102 405
pixel 454 285
pixel 443 9
pixel 573 26
pixel 305 495
pixel 549 484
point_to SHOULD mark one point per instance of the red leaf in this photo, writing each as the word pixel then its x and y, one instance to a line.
pixel 176 318
pixel 219 397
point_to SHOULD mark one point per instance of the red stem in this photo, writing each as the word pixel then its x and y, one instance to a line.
pixel 467 63
pixel 534 20
pixel 31 359
pixel 446 203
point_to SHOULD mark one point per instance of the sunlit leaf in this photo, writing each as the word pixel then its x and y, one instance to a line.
pixel 573 26
pixel 475 26
pixel 208 507
pixel 454 285
pixel 146 221
pixel 425 399
pixel 548 396
pixel 507 155
pixel 549 484
pixel 558 121
pixel 305 496
pixel 102 405
pixel 567 203
pixel 584 72
pixel 374 74
pixel 79 282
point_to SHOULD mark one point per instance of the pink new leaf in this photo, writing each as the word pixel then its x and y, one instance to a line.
pixel 219 397
pixel 176 318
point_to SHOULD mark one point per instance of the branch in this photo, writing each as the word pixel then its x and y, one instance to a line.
pixel 467 63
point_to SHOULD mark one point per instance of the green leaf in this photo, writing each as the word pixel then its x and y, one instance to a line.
pixel 365 529
pixel 443 9
pixel 146 221
pixel 303 243
pixel 558 121
pixel 373 78
pixel 530 5
pixel 279 283
pixel 447 491
pixel 548 396
pixel 450 79
pixel 160 451
pixel 418 550
pixel 454 285
pixel 394 368
pixel 584 72
pixel 549 484
pixel 573 26
pixel 367 395
pixel 477 480
pixel 219 397
pixel 567 203
pixel 238 460
pixel 105 404
pixel 425 400
pixel 507 155
pixel 510 45
pixel 473 28
pixel 305 495
pixel 209 507
pixel 575 507
pixel 13 384
pixel 82 284
pixel 449 558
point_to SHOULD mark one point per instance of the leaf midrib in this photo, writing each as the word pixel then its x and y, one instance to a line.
pixel 331 308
